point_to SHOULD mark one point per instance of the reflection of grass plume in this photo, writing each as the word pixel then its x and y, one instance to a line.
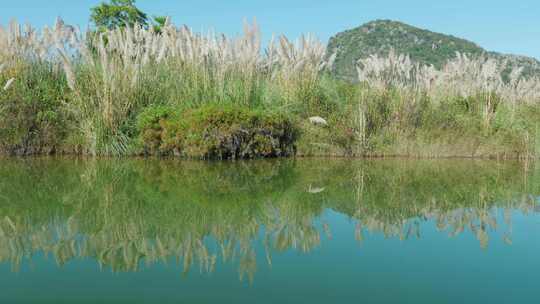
pixel 134 213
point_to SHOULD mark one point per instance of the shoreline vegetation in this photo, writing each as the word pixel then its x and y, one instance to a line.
pixel 138 90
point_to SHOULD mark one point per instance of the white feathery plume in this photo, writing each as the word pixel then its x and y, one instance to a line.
pixel 8 84
pixel 463 76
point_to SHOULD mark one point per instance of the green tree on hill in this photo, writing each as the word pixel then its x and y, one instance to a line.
pixel 119 13
pixel 159 23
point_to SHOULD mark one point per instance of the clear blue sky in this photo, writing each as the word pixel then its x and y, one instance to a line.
pixel 504 26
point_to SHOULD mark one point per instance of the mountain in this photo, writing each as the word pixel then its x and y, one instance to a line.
pixel 423 46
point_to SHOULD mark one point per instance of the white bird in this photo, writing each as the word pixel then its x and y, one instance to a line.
pixel 317 120
pixel 315 190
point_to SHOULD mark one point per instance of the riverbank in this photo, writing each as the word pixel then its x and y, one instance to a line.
pixel 129 92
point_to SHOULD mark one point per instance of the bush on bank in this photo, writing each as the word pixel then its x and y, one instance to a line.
pixel 32 120
pixel 216 132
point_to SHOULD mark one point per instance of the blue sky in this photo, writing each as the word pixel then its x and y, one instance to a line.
pixel 504 26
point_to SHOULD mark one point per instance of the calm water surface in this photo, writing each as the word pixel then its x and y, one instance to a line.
pixel 281 231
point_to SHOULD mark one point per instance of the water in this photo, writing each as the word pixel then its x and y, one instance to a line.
pixel 281 231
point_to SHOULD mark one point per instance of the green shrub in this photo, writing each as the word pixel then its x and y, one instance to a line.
pixel 217 132
pixel 149 124
pixel 31 116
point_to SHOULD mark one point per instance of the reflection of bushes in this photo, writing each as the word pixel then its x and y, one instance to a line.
pixel 125 213
pixel 393 198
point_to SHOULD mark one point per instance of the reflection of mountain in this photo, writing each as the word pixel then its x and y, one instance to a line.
pixel 124 213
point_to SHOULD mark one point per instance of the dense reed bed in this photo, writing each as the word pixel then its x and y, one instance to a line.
pixel 175 92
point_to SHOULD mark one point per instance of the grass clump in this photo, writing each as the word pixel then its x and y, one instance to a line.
pixel 31 120
pixel 217 132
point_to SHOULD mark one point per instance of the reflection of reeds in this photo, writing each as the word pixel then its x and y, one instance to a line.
pixel 127 215
pixel 479 216
pixel 478 221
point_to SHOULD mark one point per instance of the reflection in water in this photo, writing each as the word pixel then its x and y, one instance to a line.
pixel 130 213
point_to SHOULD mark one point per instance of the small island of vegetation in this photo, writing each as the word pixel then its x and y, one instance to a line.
pixel 135 85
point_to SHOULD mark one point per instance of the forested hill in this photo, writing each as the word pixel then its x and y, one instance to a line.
pixel 423 46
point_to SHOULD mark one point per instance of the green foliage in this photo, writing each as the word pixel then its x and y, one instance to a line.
pixel 120 13
pixel 217 132
pixel 158 23
pixel 151 116
pixel 117 13
pixel 381 36
pixel 400 122
pixel 151 124
pixel 31 120
pixel 207 105
pixel 365 121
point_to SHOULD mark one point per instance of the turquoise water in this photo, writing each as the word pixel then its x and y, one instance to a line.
pixel 279 231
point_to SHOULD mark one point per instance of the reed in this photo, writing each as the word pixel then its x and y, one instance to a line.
pixel 116 73
pixel 95 85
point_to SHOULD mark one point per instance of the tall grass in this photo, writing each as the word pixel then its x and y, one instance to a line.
pixel 476 103
pixel 116 73
pixel 67 91
pixel 34 90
